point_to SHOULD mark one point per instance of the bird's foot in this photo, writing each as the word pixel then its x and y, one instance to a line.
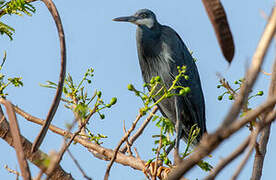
pixel 160 171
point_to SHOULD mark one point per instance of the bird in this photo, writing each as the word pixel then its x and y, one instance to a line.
pixel 160 51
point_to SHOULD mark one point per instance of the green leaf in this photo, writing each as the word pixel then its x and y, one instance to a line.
pixel 205 165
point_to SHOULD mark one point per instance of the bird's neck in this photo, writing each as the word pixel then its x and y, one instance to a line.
pixel 148 38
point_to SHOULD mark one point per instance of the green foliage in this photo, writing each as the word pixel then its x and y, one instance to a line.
pixel 205 166
pixel 158 92
pixel 78 100
pixel 166 131
pixel 5 29
pixel 232 93
pixel 95 138
pixel 228 90
pixel 194 132
pixel 6 82
pixel 16 7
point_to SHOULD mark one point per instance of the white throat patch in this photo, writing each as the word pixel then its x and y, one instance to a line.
pixel 147 22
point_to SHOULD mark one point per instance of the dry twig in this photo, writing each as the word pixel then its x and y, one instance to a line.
pixel 65 145
pixel 119 145
pixel 253 139
pixel 140 130
pixel 223 163
pixel 78 165
pixel 12 171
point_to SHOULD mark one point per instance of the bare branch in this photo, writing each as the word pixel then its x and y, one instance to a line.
pixel 53 10
pixel 119 145
pixel 78 165
pixel 127 142
pixel 140 130
pixel 23 164
pixel 223 163
pixel 131 161
pixel 211 141
pixel 65 145
pixel 252 144
pixel 259 157
pixel 36 158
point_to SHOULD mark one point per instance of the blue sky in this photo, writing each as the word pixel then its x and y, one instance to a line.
pixel 94 40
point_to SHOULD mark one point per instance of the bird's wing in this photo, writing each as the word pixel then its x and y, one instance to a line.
pixel 179 53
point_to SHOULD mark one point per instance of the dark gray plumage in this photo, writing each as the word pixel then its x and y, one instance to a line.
pixel 160 51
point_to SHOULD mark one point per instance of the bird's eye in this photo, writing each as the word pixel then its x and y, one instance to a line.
pixel 143 15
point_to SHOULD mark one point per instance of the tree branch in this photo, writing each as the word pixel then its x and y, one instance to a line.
pixel 259 157
pixel 254 69
pixel 108 153
pixel 211 141
pixel 223 163
pixel 65 145
pixel 253 139
pixel 133 138
pixel 53 10
pixel 119 145
pixel 15 132
pixel 36 158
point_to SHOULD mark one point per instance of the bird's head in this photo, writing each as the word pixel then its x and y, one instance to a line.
pixel 143 17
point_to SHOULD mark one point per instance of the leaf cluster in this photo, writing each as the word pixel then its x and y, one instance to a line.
pixel 158 90
pixel 6 82
pixel 17 7
pixel 77 99
pixel 228 90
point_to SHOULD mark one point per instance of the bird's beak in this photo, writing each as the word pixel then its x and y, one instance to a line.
pixel 126 19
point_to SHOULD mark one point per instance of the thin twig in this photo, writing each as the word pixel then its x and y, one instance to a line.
pixel 119 145
pixel 12 171
pixel 127 142
pixel 223 163
pixel 252 144
pixel 66 145
pixel 140 130
pixel 157 157
pixel 53 10
pixel 266 73
pixel 23 164
pixel 78 165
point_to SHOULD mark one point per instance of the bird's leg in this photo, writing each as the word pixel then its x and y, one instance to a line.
pixel 178 130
